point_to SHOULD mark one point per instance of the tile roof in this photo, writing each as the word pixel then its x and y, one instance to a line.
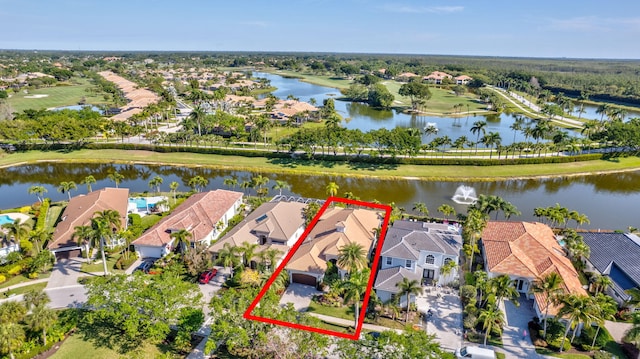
pixel 277 220
pixel 405 239
pixel 81 209
pixel 199 214
pixel 621 249
pixel 388 278
pixel 530 250
pixel 325 239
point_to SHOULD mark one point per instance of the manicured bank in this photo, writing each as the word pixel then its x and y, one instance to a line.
pixel 288 165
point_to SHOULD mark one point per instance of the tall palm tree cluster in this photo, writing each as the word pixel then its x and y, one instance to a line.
pixel 246 261
pixel 557 215
pixel 481 302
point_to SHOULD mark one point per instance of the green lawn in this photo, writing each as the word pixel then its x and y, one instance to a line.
pixel 434 173
pixel 22 279
pixel 98 267
pixel 441 101
pixel 327 81
pixel 21 290
pixel 53 214
pixel 76 347
pixel 343 312
pixel 58 96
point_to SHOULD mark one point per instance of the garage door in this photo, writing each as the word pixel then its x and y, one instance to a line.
pixel 68 254
pixel 149 252
pixel 304 279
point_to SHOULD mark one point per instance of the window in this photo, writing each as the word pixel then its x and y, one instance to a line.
pixel 447 260
pixel 389 261
pixel 430 259
pixel 407 263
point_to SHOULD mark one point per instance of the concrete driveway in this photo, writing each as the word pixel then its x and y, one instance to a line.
pixel 65 273
pixel 446 321
pixel 300 295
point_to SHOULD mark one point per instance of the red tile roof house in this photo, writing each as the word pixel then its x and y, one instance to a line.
pixel 462 79
pixel 436 77
pixel 405 76
pixel 525 251
pixel 79 212
pixel 336 228
pixel 204 215
pixel 276 225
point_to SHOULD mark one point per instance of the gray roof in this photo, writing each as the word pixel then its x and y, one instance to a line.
pixel 405 239
pixel 388 277
pixel 619 249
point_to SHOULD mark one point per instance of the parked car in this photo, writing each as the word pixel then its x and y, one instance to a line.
pixel 144 267
pixel 206 276
pixel 475 352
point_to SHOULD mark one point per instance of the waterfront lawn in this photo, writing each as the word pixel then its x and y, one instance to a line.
pixel 68 93
pixel 53 215
pixel 432 172
pixel 335 82
pixel 441 101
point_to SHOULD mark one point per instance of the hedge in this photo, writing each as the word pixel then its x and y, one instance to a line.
pixel 319 157
pixel 42 214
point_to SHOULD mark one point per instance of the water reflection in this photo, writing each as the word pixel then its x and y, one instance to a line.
pixel 609 200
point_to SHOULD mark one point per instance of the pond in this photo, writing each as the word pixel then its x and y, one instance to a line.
pixel 78 108
pixel 363 117
pixel 610 201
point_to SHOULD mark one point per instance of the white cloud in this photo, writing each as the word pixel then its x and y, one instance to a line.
pixel 408 9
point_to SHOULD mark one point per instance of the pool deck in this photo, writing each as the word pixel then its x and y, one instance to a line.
pixel 14 215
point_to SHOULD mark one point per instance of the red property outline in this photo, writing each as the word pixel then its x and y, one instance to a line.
pixel 374 266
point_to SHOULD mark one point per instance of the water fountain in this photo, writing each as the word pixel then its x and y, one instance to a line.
pixel 465 195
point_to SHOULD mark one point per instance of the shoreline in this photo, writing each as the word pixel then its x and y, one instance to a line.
pixel 309 171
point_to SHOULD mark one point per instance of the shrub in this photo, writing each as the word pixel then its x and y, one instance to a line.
pixel 25 209
pixel 33 275
pixel 467 292
pixel 555 345
pixel 42 214
pixel 586 338
pixel 602 355
pixel 2 278
pixel 469 321
pixel 555 329
pixel 123 263
pixel 15 270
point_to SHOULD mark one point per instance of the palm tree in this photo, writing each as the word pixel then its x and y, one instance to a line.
pixel 66 187
pixel 259 181
pixel 103 224
pixel 601 283
pixel 173 186
pixel 633 334
pixel 421 208
pixel 248 252
pixel 332 189
pixel 476 129
pixel 83 235
pixel 577 309
pixel 89 180
pixel 39 191
pixel 474 225
pixel 502 288
pixel 116 178
pixel 550 287
pixel 230 182
pixel 182 239
pixel 280 185
pixel 409 287
pixel 516 126
pixel 604 308
pixel 491 317
pixel 198 114
pixel 36 298
pixel 228 256
pixel 11 337
pixel 447 268
pixel 156 182
pixel 352 257
pixel 42 318
pixel 491 139
pixel 354 288
pixel 271 255
pixel 197 183
pixel 16 229
pixel 447 210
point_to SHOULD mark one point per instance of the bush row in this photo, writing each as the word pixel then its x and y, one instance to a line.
pixel 42 214
pixel 319 157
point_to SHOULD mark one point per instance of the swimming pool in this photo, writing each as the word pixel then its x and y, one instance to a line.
pixel 140 203
pixel 4 219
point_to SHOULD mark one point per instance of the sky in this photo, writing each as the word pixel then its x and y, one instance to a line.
pixel 534 28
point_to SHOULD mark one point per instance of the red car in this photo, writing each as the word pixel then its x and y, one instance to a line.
pixel 206 276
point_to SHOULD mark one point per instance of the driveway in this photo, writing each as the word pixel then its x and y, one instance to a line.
pixel 300 295
pixel 517 319
pixel 446 320
pixel 65 273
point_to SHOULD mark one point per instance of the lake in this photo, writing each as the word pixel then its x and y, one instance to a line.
pixel 610 201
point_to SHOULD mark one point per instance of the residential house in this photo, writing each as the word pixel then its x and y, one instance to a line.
pixel 203 214
pixel 276 225
pixel 7 246
pixel 526 251
pixel 437 77
pixel 406 76
pixel 616 255
pixel 79 212
pixel 462 79
pixel 336 228
pixel 417 251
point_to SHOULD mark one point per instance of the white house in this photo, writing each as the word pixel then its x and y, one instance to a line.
pixel 417 251
pixel 204 215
